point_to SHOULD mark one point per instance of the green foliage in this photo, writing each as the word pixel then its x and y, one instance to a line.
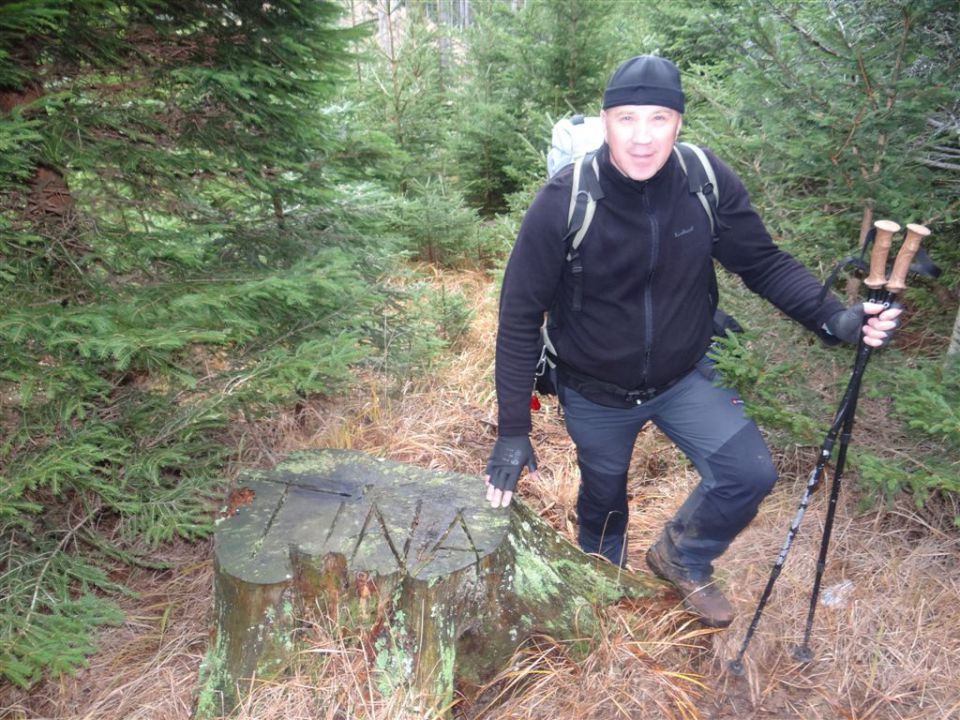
pixel 927 400
pixel 176 258
pixel 126 398
pixel 52 636
pixel 414 327
pixel 406 114
pixel 440 227
pixel 489 136
pixel 823 108
pixel 403 85
pixel 924 477
pixel 747 367
pixel 526 67
pixel 554 55
pixel 452 316
pixel 17 135
pixel 496 236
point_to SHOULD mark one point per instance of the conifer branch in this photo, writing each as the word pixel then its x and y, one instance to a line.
pixel 67 537
pixel 806 34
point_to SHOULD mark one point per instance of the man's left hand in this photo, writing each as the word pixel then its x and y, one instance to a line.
pixel 877 325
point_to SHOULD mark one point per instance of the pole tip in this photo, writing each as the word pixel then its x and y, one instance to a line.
pixel 802 654
pixel 736 667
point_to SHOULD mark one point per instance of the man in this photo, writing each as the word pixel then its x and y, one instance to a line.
pixel 633 349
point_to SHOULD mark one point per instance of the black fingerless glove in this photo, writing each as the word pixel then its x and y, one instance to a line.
pixel 507 460
pixel 847 325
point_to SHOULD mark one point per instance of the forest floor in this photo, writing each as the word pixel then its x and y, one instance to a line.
pixel 886 642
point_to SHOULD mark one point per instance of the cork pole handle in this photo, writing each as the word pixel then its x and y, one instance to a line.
pixel 901 266
pixel 878 256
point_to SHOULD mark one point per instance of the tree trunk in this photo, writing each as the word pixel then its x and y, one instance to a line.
pixel 445 587
pixel 443 42
pixel 954 347
pixel 853 283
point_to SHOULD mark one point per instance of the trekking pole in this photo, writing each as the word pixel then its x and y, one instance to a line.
pixel 878 261
pixel 897 283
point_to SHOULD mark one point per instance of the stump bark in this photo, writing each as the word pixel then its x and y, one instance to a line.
pixel 444 587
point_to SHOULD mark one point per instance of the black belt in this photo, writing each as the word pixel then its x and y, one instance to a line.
pixel 609 394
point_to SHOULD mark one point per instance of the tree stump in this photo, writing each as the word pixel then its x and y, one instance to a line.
pixel 445 587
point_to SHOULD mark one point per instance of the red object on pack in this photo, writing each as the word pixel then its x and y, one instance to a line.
pixel 534 403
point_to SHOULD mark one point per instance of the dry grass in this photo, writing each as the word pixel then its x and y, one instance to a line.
pixel 145 669
pixel 889 651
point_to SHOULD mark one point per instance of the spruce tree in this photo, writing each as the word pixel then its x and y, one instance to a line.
pixel 175 257
pixel 824 106
pixel 525 68
pixel 405 107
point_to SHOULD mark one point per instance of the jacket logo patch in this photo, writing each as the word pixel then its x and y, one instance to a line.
pixel 685 231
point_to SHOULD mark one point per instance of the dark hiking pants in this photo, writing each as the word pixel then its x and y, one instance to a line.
pixel 709 425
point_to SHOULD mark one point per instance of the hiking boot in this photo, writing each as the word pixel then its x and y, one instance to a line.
pixel 701 598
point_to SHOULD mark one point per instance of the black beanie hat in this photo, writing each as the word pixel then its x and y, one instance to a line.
pixel 645 80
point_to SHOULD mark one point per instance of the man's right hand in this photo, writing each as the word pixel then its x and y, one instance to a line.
pixel 510 455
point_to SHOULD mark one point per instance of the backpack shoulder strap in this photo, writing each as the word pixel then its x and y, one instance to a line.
pixel 584 194
pixel 702 181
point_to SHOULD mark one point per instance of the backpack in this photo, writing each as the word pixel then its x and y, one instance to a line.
pixel 586 192
pixel 569 137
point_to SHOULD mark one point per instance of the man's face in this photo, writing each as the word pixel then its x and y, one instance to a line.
pixel 640 137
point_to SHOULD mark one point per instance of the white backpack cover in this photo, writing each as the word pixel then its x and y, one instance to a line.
pixel 572 138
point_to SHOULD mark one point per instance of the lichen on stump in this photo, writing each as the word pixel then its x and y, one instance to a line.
pixel 450 585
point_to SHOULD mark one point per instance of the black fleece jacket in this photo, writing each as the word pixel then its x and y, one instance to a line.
pixel 647 261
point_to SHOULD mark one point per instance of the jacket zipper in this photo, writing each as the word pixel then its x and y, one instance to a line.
pixel 648 289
